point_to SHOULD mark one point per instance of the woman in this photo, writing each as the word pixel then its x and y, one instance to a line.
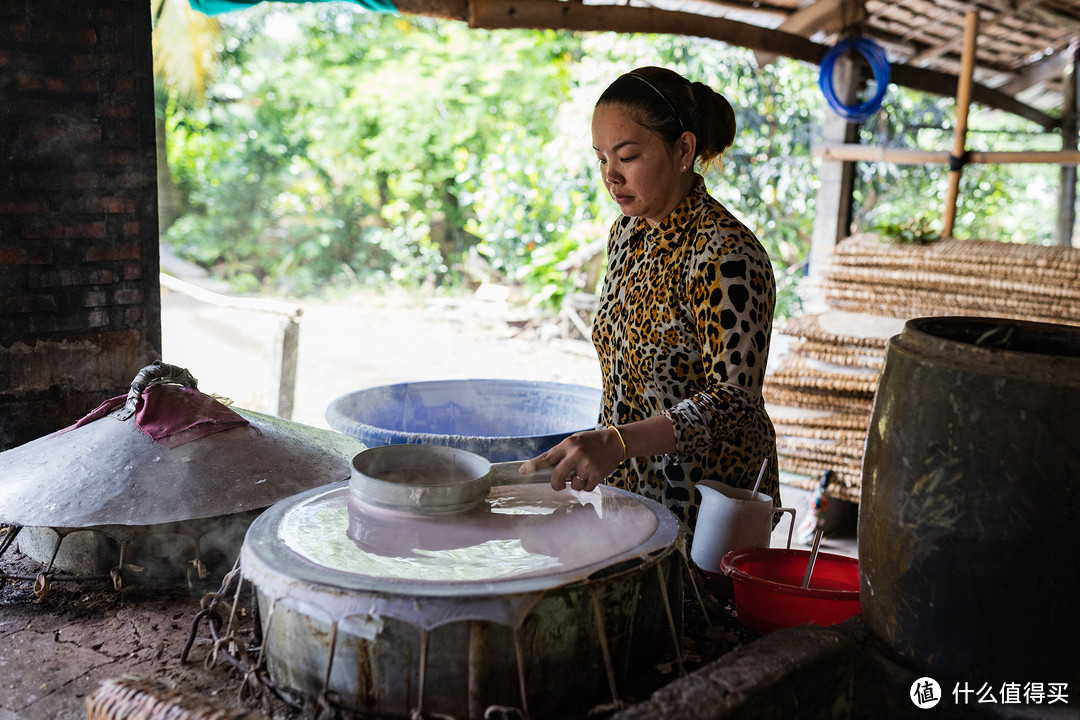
pixel 684 322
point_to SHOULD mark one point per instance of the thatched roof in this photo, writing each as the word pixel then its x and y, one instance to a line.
pixel 1023 49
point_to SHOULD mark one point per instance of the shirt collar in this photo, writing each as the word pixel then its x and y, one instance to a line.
pixel 668 233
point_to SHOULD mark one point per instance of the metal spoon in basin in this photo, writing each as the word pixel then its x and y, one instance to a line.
pixel 813 558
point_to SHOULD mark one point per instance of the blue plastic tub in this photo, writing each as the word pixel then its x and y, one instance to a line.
pixel 500 420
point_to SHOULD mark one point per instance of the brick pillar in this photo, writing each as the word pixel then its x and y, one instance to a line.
pixel 80 306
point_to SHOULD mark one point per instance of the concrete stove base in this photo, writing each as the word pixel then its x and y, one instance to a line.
pixel 811 672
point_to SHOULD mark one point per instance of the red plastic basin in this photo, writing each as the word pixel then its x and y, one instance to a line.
pixel 769 593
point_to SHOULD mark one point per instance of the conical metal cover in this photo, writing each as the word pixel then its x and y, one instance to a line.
pixel 107 472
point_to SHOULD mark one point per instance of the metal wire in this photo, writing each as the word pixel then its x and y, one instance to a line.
pixel 604 650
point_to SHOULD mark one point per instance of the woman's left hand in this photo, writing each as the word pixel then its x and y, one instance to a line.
pixel 583 460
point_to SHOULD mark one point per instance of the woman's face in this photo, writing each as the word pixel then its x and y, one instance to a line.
pixel 642 175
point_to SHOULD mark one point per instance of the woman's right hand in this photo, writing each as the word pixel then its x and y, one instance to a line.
pixel 582 460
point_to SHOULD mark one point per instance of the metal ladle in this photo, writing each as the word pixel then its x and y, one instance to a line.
pixel 430 479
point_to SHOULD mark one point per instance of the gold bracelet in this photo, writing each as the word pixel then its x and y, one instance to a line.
pixel 621 441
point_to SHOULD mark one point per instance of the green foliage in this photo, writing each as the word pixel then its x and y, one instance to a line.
pixel 336 144
pixel 339 146
pixel 916 231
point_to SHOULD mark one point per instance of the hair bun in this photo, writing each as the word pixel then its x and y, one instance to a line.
pixel 716 121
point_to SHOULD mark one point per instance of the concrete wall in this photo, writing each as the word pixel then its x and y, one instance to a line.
pixel 79 296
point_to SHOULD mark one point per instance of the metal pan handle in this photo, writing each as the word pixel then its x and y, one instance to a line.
pixel 506 473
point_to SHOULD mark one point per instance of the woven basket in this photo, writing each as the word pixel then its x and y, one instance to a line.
pixel 132 698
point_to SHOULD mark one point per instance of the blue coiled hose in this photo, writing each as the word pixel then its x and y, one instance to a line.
pixel 879 63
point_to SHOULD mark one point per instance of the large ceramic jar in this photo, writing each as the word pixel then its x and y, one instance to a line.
pixel 968 528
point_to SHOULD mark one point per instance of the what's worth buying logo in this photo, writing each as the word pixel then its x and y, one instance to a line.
pixel 925 693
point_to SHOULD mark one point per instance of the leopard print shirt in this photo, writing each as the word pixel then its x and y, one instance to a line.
pixel 682 329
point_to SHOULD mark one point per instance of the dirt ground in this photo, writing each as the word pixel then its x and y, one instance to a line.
pixel 55 653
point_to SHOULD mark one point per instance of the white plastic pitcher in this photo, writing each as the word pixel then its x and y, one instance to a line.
pixel 730 518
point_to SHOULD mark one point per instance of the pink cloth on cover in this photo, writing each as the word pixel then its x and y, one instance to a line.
pixel 99 412
pixel 172 415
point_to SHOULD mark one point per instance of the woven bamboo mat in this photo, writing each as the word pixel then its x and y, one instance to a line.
pixel 959 256
pixel 956 277
pixel 937 302
pixel 1033 287
pixel 845 329
pixel 843 435
pixel 931 303
pixel 851 357
pixel 811 419
pixel 135 698
pixel 821 397
pixel 845 485
pixel 816 399
pixel 847 453
pixel 800 371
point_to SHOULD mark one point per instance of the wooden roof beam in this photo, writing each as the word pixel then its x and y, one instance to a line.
pixel 903 156
pixel 576 16
pixel 715 8
pixel 1053 18
pixel 829 16
pixel 445 9
pixel 946 85
pixel 1049 68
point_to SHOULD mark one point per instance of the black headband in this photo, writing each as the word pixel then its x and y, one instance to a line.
pixel 662 97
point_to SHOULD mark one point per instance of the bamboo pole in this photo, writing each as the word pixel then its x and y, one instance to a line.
pixel 963 102
pixel 905 156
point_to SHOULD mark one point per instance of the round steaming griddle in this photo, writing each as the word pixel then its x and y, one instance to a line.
pixel 524 538
pixel 364 600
